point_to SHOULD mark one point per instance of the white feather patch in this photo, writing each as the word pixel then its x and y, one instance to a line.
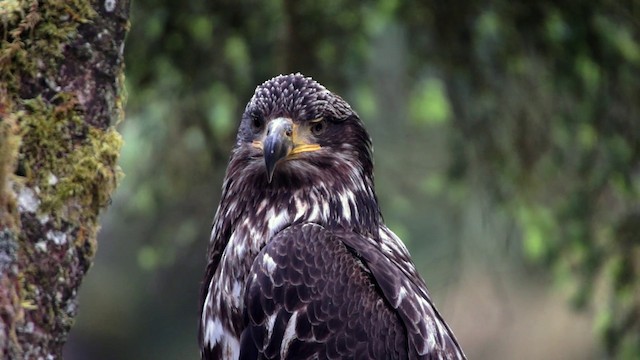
pixel 269 263
pixel 236 294
pixel 230 348
pixel 289 335
pixel 431 335
pixel 213 330
pixel 325 210
pixel 402 294
pixel 346 208
pixel 271 320
pixel 352 202
pixel 277 222
pixel 301 208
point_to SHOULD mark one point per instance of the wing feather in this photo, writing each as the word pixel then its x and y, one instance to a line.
pixel 347 299
pixel 326 304
pixel 428 334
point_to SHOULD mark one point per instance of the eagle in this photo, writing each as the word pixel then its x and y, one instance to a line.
pixel 300 262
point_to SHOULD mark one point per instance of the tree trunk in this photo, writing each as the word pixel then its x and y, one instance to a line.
pixel 61 94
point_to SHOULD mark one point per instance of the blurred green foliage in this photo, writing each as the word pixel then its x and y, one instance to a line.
pixel 534 105
pixel 545 102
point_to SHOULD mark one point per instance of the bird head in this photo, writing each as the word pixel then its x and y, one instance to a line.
pixel 295 131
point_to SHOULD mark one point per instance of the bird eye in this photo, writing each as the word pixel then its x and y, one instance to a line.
pixel 256 122
pixel 318 127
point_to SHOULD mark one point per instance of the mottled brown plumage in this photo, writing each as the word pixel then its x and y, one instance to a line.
pixel 323 293
pixel 301 264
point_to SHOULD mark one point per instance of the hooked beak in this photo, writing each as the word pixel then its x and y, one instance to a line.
pixel 277 144
pixel 283 140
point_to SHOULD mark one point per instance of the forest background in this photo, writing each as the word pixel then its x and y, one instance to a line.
pixel 507 151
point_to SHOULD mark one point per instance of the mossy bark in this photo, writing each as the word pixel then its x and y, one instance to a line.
pixel 61 94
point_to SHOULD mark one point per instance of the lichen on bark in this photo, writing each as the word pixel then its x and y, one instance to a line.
pixel 61 94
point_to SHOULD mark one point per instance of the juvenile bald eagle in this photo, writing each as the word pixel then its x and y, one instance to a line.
pixel 300 263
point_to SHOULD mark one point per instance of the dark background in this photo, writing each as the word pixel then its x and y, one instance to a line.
pixel 507 150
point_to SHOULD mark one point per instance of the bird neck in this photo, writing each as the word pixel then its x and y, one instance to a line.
pixel 252 211
pixel 260 209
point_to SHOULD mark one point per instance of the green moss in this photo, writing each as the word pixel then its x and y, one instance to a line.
pixel 71 163
pixel 11 10
pixel 32 37
pixel 9 145
pixel 48 147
